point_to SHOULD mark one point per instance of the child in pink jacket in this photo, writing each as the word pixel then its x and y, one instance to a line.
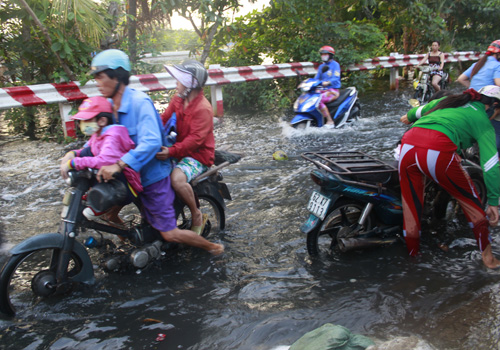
pixel 107 144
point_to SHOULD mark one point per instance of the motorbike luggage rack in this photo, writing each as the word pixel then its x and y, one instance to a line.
pixel 351 166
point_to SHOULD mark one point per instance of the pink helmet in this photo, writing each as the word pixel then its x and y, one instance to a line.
pixel 327 49
pixel 91 107
pixel 494 47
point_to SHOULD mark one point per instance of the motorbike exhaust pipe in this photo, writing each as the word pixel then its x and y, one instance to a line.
pixel 347 244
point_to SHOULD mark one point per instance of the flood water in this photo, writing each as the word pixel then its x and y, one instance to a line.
pixel 264 291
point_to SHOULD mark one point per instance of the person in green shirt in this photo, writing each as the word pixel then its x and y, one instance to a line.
pixel 429 149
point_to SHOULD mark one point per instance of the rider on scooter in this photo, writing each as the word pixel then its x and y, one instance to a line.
pixel 331 81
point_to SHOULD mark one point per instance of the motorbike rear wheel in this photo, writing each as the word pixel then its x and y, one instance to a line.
pixel 216 221
pixel 30 276
pixel 344 214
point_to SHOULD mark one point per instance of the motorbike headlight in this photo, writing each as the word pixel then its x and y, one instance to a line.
pixel 296 105
pixel 311 103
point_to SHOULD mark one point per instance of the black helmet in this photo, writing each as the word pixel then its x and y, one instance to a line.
pixel 194 68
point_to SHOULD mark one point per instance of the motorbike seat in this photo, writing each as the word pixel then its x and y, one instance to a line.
pixel 344 93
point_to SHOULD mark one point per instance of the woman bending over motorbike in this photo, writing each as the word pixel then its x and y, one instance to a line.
pixel 435 58
pixel 331 81
pixel 429 149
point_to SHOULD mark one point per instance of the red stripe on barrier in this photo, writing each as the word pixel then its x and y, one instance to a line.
pixel 70 129
pixel 220 108
pixel 70 91
pixel 151 82
pixel 24 95
pixel 297 67
pixel 274 71
pixel 247 73
pixel 217 75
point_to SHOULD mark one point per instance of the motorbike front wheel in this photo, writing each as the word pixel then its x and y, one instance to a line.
pixel 28 277
pixel 342 218
pixel 303 125
pixel 216 220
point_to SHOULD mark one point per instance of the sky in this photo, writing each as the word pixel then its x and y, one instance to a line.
pixel 182 23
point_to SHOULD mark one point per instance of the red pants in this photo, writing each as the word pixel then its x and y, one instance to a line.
pixel 430 153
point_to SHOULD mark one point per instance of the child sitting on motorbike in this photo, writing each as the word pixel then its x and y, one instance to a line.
pixel 331 81
pixel 107 144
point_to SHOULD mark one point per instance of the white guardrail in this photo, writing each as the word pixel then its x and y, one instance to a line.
pixel 64 93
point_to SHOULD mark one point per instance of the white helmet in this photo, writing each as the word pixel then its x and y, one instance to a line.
pixel 491 91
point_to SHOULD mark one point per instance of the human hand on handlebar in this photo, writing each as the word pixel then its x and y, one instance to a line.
pixel 163 154
pixel 64 168
pixel 325 83
pixel 492 215
pixel 404 119
pixel 107 172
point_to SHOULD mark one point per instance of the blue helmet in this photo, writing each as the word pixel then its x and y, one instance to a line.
pixel 110 59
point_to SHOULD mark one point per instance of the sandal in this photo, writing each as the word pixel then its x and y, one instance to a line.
pixel 199 229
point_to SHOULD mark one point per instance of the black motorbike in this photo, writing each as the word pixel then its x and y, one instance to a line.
pixel 423 86
pixel 358 204
pixel 50 264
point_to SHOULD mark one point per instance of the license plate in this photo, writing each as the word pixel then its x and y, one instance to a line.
pixel 318 205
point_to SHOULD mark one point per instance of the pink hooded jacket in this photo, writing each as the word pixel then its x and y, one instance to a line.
pixel 108 148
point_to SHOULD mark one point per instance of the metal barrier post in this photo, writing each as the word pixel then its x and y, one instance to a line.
pixel 68 125
pixel 216 94
pixel 394 76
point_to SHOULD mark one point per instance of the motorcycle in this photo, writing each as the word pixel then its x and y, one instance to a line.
pixel 423 86
pixel 50 264
pixel 358 204
pixel 344 110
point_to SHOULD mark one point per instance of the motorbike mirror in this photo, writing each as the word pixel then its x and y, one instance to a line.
pixel 324 69
pixel 414 102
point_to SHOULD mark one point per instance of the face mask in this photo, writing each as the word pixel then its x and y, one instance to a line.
pixel 88 128
pixel 325 58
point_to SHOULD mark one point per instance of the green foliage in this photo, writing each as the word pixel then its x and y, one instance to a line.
pixel 285 31
pixel 293 31
pixel 42 122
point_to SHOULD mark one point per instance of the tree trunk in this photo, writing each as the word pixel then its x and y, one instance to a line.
pixel 132 31
pixel 45 33
pixel 30 123
pixel 208 43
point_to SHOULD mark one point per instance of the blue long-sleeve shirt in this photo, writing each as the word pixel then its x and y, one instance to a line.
pixel 138 114
pixel 332 75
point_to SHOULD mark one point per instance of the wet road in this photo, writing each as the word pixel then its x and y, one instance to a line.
pixel 264 291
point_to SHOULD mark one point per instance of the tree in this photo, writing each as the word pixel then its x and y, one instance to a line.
pixel 212 15
pixel 45 41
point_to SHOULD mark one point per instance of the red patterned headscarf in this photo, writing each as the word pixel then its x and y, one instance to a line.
pixel 474 95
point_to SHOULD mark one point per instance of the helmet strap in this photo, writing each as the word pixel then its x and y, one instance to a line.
pixel 117 87
pixel 185 93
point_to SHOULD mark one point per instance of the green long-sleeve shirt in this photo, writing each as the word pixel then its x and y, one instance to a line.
pixel 464 126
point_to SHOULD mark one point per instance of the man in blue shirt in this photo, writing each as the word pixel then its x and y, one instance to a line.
pixel 331 81
pixel 484 72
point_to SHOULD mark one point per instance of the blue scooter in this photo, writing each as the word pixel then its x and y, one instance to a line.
pixel 344 110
